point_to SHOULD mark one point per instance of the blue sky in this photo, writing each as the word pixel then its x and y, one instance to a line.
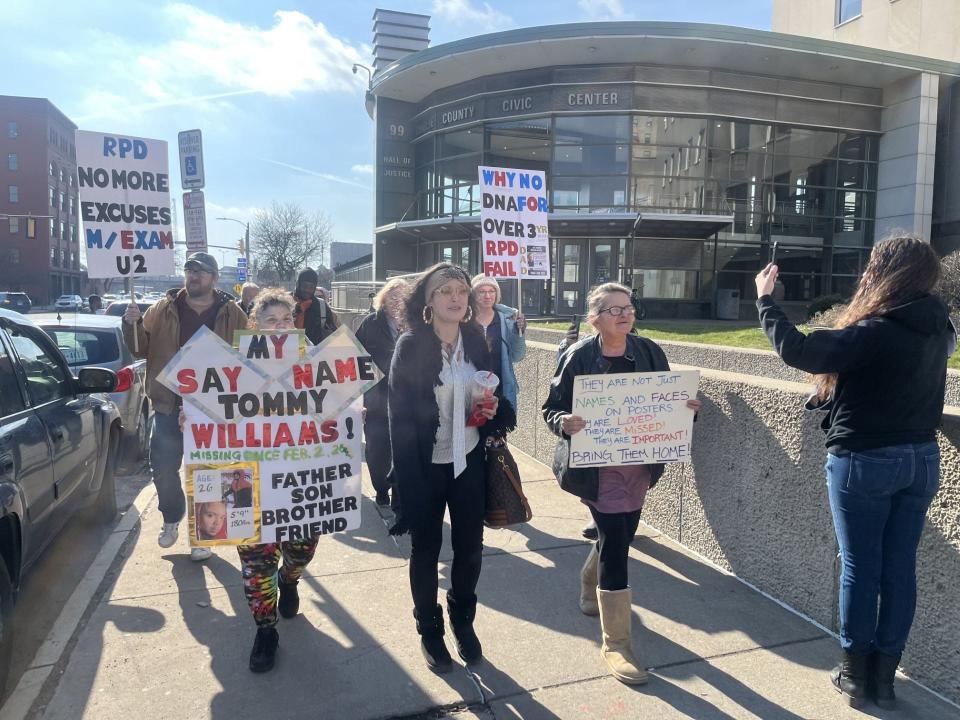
pixel 270 85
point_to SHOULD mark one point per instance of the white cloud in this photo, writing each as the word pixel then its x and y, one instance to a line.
pixel 362 169
pixel 208 58
pixel 316 173
pixel 602 9
pixel 462 12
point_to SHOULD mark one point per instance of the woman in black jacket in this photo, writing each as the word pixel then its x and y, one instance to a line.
pixel 378 334
pixel 614 495
pixel 880 382
pixel 438 459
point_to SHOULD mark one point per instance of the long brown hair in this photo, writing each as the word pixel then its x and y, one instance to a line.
pixel 901 268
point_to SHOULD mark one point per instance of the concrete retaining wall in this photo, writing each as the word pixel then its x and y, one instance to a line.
pixel 754 499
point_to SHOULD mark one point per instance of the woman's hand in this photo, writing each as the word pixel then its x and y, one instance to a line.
pixel 488 408
pixel 694 405
pixel 572 424
pixel 766 279
pixel 521 322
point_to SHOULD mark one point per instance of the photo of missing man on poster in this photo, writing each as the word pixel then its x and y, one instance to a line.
pixel 222 501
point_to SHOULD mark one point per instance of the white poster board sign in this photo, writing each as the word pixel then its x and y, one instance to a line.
pixel 633 418
pixel 513 223
pixel 272 434
pixel 124 188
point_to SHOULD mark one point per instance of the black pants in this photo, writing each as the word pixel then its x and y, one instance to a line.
pixel 376 431
pixel 615 532
pixel 466 497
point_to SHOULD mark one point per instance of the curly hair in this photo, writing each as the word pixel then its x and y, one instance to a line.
pixel 267 298
pixel 417 297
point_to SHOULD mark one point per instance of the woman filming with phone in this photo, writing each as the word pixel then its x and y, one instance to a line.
pixel 880 380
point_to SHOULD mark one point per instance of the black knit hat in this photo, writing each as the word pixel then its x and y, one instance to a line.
pixel 308 275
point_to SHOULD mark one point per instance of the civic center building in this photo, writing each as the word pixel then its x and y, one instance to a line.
pixel 676 155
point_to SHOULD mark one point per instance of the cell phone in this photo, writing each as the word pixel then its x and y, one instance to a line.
pixel 773 255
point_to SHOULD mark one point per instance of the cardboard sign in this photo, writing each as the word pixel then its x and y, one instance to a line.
pixel 513 223
pixel 272 434
pixel 125 205
pixel 633 418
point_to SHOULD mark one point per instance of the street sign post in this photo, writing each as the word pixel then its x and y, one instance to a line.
pixel 241 275
pixel 191 159
pixel 241 262
pixel 195 220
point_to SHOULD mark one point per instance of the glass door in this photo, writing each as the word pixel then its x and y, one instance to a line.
pixel 571 274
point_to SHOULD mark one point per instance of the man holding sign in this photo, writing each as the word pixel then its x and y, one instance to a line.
pixel 626 377
pixel 157 336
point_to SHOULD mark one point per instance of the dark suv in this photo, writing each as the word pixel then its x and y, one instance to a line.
pixel 58 447
pixel 16 301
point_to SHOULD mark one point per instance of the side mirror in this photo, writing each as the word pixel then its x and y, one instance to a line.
pixel 94 379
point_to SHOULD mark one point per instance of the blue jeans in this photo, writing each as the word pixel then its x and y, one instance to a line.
pixel 166 454
pixel 879 500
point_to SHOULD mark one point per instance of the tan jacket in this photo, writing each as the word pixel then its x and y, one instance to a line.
pixel 158 335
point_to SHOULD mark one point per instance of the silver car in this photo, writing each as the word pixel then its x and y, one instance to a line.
pixel 97 340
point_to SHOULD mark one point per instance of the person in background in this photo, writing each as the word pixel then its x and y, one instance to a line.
pixel 378 334
pixel 880 379
pixel 503 327
pixel 166 327
pixel 271 592
pixel 248 292
pixel 614 495
pixel 96 303
pixel 312 314
pixel 439 459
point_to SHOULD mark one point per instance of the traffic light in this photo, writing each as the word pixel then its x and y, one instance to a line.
pixel 31 228
pixel 240 246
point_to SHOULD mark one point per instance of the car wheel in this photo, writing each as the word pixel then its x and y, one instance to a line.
pixel 6 626
pixel 104 507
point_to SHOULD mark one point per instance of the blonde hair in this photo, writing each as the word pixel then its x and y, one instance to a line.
pixel 389 287
pixel 267 298
pixel 596 296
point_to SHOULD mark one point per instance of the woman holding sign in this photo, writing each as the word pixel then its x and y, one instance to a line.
pixel 880 383
pixel 439 435
pixel 614 495
pixel 503 327
pixel 267 589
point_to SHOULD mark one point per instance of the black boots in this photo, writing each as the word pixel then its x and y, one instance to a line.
pixel 850 678
pixel 264 651
pixel 882 672
pixel 430 627
pixel 288 603
pixel 462 614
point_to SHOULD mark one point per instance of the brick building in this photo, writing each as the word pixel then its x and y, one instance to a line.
pixel 39 207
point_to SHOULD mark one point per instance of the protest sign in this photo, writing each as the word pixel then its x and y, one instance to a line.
pixel 124 205
pixel 272 434
pixel 513 222
pixel 633 418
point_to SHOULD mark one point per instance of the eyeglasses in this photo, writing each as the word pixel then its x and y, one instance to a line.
pixel 618 310
pixel 450 291
pixel 198 271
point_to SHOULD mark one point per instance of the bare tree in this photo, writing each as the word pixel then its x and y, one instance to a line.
pixel 949 288
pixel 286 238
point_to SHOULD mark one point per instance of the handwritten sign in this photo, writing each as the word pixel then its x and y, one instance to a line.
pixel 633 418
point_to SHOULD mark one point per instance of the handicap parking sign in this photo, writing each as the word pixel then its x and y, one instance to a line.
pixel 191 162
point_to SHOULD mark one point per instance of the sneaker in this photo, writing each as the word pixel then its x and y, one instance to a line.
pixel 264 652
pixel 168 535
pixel 199 554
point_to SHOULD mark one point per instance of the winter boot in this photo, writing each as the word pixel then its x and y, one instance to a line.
pixel 462 614
pixel 617 648
pixel 289 602
pixel 264 651
pixel 882 672
pixel 430 627
pixel 850 678
pixel 588 584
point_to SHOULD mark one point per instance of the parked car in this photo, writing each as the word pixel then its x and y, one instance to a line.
pixel 118 307
pixel 16 301
pixel 97 340
pixel 71 302
pixel 59 438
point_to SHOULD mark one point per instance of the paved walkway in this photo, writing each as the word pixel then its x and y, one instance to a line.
pixel 168 638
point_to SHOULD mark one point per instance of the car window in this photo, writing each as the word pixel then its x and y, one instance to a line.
pixel 47 379
pixel 10 399
pixel 86 347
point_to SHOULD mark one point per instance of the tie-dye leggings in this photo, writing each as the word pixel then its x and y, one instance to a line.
pixel 259 569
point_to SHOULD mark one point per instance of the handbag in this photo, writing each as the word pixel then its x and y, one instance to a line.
pixel 506 503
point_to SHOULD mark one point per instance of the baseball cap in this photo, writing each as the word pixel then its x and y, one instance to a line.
pixel 202 260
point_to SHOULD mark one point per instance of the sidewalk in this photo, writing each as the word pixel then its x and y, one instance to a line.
pixel 170 638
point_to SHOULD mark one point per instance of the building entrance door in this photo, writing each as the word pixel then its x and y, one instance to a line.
pixel 571 275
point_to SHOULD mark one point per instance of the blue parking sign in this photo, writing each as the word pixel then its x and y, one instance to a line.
pixel 191 162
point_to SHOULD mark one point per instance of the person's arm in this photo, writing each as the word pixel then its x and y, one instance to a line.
pixel 132 323
pixel 516 343
pixel 560 398
pixel 401 396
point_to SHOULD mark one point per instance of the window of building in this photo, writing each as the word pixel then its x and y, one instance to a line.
pixel 13 257
pixel 63 201
pixel 72 206
pixel 63 230
pixel 848 10
pixel 13 162
pixel 12 130
pixel 53 137
pixel 52 226
pixel 53 256
pixel 13 193
pixel 63 175
pixel 14 224
pixel 53 170
pixel 73 233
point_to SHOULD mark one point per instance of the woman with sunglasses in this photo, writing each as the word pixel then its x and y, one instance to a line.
pixel 438 456
pixel 614 495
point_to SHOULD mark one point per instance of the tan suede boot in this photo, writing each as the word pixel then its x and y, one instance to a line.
pixel 617 649
pixel 588 584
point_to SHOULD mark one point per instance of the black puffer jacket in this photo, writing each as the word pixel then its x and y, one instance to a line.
pixel 585 358
pixel 415 417
pixel 376 337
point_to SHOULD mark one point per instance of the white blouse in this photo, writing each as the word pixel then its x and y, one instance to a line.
pixel 454 439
